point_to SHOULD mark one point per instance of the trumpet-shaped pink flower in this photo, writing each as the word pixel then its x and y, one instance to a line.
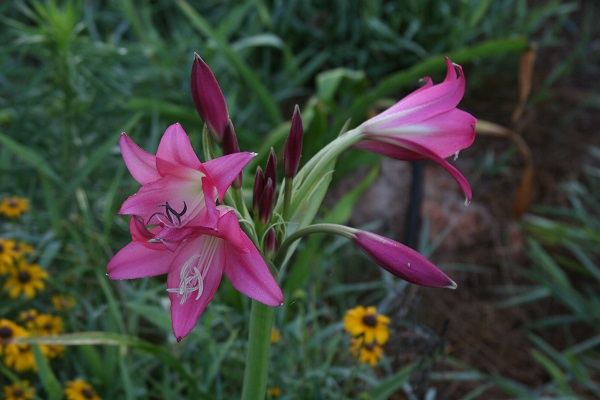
pixel 196 266
pixel 400 260
pixel 178 191
pixel 425 125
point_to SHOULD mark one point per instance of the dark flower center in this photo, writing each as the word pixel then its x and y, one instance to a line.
pixel 1 248
pixel 13 203
pixel 5 333
pixel 18 392
pixel 369 347
pixel 24 276
pixel 87 393
pixel 370 320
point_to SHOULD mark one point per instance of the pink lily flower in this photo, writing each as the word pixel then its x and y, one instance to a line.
pixel 400 260
pixel 195 268
pixel 425 125
pixel 178 191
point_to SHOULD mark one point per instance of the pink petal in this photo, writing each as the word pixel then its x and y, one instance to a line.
pixel 402 261
pixel 422 104
pixel 250 275
pixel 224 170
pixel 175 147
pixel 141 165
pixel 443 134
pixel 229 230
pixel 138 261
pixel 185 316
pixel 181 194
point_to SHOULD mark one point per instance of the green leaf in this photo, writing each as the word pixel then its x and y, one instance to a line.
pixel 30 157
pixel 384 390
pixel 47 377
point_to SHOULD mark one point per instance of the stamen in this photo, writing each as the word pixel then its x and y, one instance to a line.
pixel 168 214
pixel 190 280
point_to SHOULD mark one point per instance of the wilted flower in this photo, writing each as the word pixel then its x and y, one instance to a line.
pixel 425 125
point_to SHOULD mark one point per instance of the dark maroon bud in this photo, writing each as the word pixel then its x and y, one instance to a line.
pixel 293 145
pixel 271 168
pixel 266 202
pixel 208 99
pixel 271 244
pixel 259 184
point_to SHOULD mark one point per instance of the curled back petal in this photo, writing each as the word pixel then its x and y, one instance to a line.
pixel 141 165
pixel 224 170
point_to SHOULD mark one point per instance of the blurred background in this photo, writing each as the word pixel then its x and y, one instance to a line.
pixel 524 320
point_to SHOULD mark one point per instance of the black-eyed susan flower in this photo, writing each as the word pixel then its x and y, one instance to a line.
pixel 21 248
pixel 47 324
pixel 63 302
pixel 367 353
pixel 25 278
pixel 80 390
pixel 20 357
pixel 10 330
pixel 28 317
pixel 14 206
pixel 7 256
pixel 365 322
pixel 275 335
pixel 19 391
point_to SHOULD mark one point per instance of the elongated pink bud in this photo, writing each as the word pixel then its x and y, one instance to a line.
pixel 208 99
pixel 402 261
pixel 293 145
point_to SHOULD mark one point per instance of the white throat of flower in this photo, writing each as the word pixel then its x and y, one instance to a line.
pixel 193 272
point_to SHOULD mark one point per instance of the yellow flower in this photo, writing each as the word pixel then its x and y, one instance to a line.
pixel 274 391
pixel 28 317
pixel 20 357
pixel 14 206
pixel 19 391
pixel 366 353
pixel 25 278
pixel 365 321
pixel 62 302
pixel 22 248
pixel 8 331
pixel 7 256
pixel 275 335
pixel 80 390
pixel 46 324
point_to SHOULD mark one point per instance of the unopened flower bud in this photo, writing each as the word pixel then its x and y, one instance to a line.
pixel 230 146
pixel 259 184
pixel 271 244
pixel 271 169
pixel 293 145
pixel 266 202
pixel 208 99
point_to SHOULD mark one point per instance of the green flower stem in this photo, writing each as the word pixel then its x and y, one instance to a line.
pixel 309 230
pixel 287 197
pixel 320 164
pixel 259 347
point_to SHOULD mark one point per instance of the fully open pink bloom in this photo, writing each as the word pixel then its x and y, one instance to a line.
pixel 178 191
pixel 196 266
pixel 425 125
pixel 400 260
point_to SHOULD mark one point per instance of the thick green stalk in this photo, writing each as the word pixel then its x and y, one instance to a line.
pixel 259 348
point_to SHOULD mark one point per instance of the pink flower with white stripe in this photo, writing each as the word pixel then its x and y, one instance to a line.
pixel 178 191
pixel 196 266
pixel 425 125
